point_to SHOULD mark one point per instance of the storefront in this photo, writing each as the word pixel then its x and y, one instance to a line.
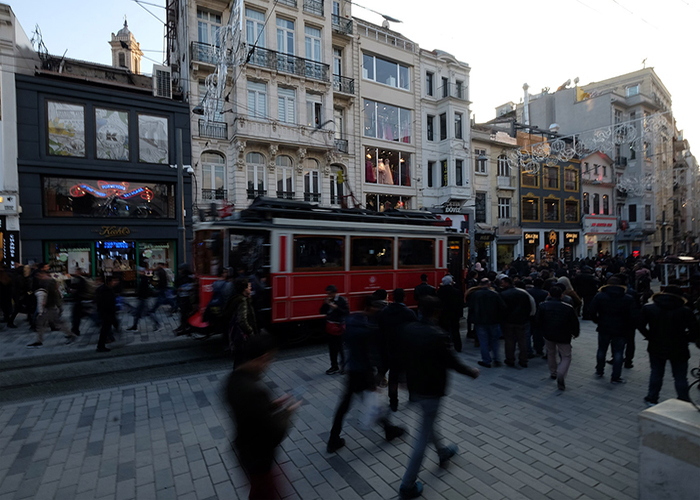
pixel 531 244
pixel 600 231
pixel 551 245
pixel 507 245
pixel 570 245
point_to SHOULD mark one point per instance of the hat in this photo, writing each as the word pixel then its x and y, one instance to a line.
pixel 484 281
pixel 331 289
pixel 447 280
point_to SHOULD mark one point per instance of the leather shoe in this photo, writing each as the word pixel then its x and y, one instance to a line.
pixel 335 444
pixel 413 492
pixel 485 365
pixel 393 431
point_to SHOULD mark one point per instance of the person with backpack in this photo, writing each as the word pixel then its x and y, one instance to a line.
pixel 48 300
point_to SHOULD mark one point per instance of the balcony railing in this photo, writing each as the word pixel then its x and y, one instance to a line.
pixel 287 63
pixel 203 52
pixel 507 221
pixel 506 181
pixel 253 193
pixel 453 90
pixel 314 7
pixel 341 145
pixel 290 3
pixel 214 194
pixel 342 25
pixel 621 161
pixel 214 130
pixel 285 195
pixel 343 84
pixel 312 197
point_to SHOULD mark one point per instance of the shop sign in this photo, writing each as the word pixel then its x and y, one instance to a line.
pixel 600 225
pixel 484 237
pixel 591 240
pixel 8 203
pixel 571 237
pixel 532 238
pixel 552 238
pixel 113 231
pixel 10 248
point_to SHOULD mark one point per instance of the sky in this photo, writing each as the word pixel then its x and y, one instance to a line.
pixel 506 43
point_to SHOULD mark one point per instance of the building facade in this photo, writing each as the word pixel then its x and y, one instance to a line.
pixel 598 204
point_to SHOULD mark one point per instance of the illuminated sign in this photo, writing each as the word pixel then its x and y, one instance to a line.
pixel 111 189
pixel 571 237
pixel 532 238
pixel 112 231
pixel 114 244
pixel 552 237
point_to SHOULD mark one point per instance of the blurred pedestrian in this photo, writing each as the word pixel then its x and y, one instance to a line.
pixel 143 293
pixel 535 339
pixel 486 310
pixel 586 286
pixel 520 306
pixel 106 301
pixel 162 285
pixel 242 325
pixel 559 325
pixel 336 309
pixel 569 291
pixel 78 287
pixel 186 297
pixel 261 423
pixel 48 301
pixel 452 311
pixel 423 288
pixel 428 357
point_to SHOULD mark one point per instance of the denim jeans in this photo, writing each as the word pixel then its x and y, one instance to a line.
pixel 429 409
pixel 164 297
pixel 618 347
pixel 679 368
pixel 488 336
pixel 142 310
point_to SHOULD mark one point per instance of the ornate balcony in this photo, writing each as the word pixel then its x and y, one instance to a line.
pixel 314 7
pixel 341 25
pixel 343 84
pixel 213 130
pixel 282 133
pixel 254 193
pixel 214 194
pixel 285 195
pixel 287 63
pixel 203 52
pixel 316 197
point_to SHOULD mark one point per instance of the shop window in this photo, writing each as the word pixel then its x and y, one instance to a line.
pixel 386 72
pixel 387 122
pixel 530 206
pixel 570 179
pixel 571 211
pixel 381 202
pixel 415 252
pixel 68 257
pixel 316 252
pixel 285 177
pixel 383 166
pixel 70 197
pixel 551 210
pixel 372 252
pixel 256 175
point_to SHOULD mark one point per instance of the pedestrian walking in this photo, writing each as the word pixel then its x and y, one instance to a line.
pixel 611 309
pixel 559 325
pixel 423 289
pixel 586 286
pixel 668 325
pixel 48 301
pixel 428 357
pixel 336 309
pixel 569 291
pixel 162 285
pixel 106 301
pixel 261 422
pixel 535 340
pixel 521 307
pixel 486 309
pixel 242 325
pixel 453 310
pixel 143 293
pixel 78 286
pixel 359 338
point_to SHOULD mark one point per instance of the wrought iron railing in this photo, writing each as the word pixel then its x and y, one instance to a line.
pixel 341 145
pixel 342 25
pixel 454 90
pixel 291 3
pixel 287 63
pixel 312 197
pixel 253 193
pixel 314 7
pixel 214 130
pixel 285 195
pixel 203 52
pixel 343 84
pixel 214 194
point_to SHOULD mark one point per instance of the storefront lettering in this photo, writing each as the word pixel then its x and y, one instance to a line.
pixel 112 231
pixel 571 237
pixel 532 238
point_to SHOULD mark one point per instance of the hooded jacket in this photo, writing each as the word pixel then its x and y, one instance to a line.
pixel 668 326
pixel 611 310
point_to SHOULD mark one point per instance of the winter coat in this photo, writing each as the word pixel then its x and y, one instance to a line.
pixel 338 314
pixel 242 320
pixel 423 290
pixel 391 320
pixel 360 338
pixel 612 310
pixel 106 301
pixel 586 285
pixel 453 305
pixel 558 321
pixel 486 307
pixel 518 306
pixel 668 326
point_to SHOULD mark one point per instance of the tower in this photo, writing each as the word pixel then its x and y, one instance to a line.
pixel 126 51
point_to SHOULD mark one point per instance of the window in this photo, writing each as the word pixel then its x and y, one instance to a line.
pixel 647 212
pixel 337 61
pixel 431 173
pixel 571 211
pixel 529 178
pixel 285 36
pixel 503 167
pixel 633 152
pixel 386 72
pixel 618 116
pixel 415 252
pixel 551 210
pixel 254 27
pixel 605 172
pixel 208 27
pixel 632 213
pixel 336 8
pixel 429 82
pixel 257 99
pixel 312 252
pixel 530 206
pixel 337 178
pixel 429 128
pixel 339 123
pixel 632 90
pixel 445 87
pixel 443 173
pixel 595 168
pixel 256 175
pixel 212 100
pixel 596 204
pixel 312 43
pixel 459 172
pixel 459 89
pixel 371 252
pixel 606 204
pixel 384 166
pixel 122 60
pixel 387 122
pixel 285 177
pixel 586 203
pixel 381 202
pixel 458 125
pixel 504 208
pixel 551 177
pixel 314 110
pixel 312 188
pixel 480 161
pixel 443 126
pixel 480 207
pixel 286 105
pixel 213 176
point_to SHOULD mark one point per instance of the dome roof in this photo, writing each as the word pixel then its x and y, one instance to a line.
pixel 125 30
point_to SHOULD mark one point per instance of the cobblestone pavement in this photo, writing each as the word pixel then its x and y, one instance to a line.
pixel 518 436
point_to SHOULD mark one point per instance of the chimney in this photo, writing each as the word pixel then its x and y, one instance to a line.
pixel 526 105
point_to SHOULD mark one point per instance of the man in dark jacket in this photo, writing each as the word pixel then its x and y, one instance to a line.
pixel 428 357
pixel 78 287
pixel 336 309
pixel 535 341
pixel 668 326
pixel 391 320
pixel 48 307
pixel 486 309
pixel 164 296
pixel 261 423
pixel 453 309
pixel 611 309
pixel 242 325
pixel 520 306
pixel 143 293
pixel 423 289
pixel 106 302
pixel 586 286
pixel 559 325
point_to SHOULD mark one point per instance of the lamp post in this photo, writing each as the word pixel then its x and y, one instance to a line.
pixel 180 202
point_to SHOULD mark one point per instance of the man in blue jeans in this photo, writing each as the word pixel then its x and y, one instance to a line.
pixel 428 355
pixel 486 310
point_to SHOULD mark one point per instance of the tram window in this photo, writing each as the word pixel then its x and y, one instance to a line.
pixel 415 252
pixel 248 254
pixel 312 252
pixel 372 252
pixel 208 253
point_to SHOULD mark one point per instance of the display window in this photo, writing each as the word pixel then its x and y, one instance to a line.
pixel 66 258
pixel 117 258
pixel 381 202
pixel 384 166
pixel 152 253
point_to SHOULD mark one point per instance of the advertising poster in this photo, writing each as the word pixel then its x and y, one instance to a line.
pixel 112 130
pixel 66 129
pixel 153 139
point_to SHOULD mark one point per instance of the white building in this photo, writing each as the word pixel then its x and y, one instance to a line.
pixel 598 203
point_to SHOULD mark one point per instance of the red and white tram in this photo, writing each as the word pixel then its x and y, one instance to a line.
pixel 297 249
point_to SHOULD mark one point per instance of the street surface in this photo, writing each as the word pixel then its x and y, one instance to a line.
pixel 518 436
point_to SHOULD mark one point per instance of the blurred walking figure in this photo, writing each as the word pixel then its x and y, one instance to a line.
pixel 165 295
pixel 106 301
pixel 669 326
pixel 336 308
pixel 423 289
pixel 428 357
pixel 48 301
pixel 143 293
pixel 261 423
pixel 559 325
pixel 242 325
pixel 453 310
pixel 486 310
pixel 586 286
pixel 79 289
pixel 520 306
pixel 186 293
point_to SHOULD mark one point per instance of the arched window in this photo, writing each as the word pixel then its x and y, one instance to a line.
pixel 312 187
pixel 503 168
pixel 586 203
pixel 213 176
pixel 285 177
pixel 596 204
pixel 122 60
pixel 606 204
pixel 337 179
pixel 255 163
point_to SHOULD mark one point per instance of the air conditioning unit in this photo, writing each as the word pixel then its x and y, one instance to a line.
pixel 162 81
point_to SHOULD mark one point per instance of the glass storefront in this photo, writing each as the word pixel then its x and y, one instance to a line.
pixel 385 166
pixel 381 202
pixel 505 254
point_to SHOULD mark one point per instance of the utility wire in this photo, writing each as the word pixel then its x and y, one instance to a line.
pixel 140 4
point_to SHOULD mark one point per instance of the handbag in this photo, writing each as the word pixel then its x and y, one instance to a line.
pixel 334 329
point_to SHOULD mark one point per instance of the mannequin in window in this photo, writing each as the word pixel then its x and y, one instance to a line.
pixel 384 173
pixel 370 175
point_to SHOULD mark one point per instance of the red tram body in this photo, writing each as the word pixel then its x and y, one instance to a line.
pixel 297 249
